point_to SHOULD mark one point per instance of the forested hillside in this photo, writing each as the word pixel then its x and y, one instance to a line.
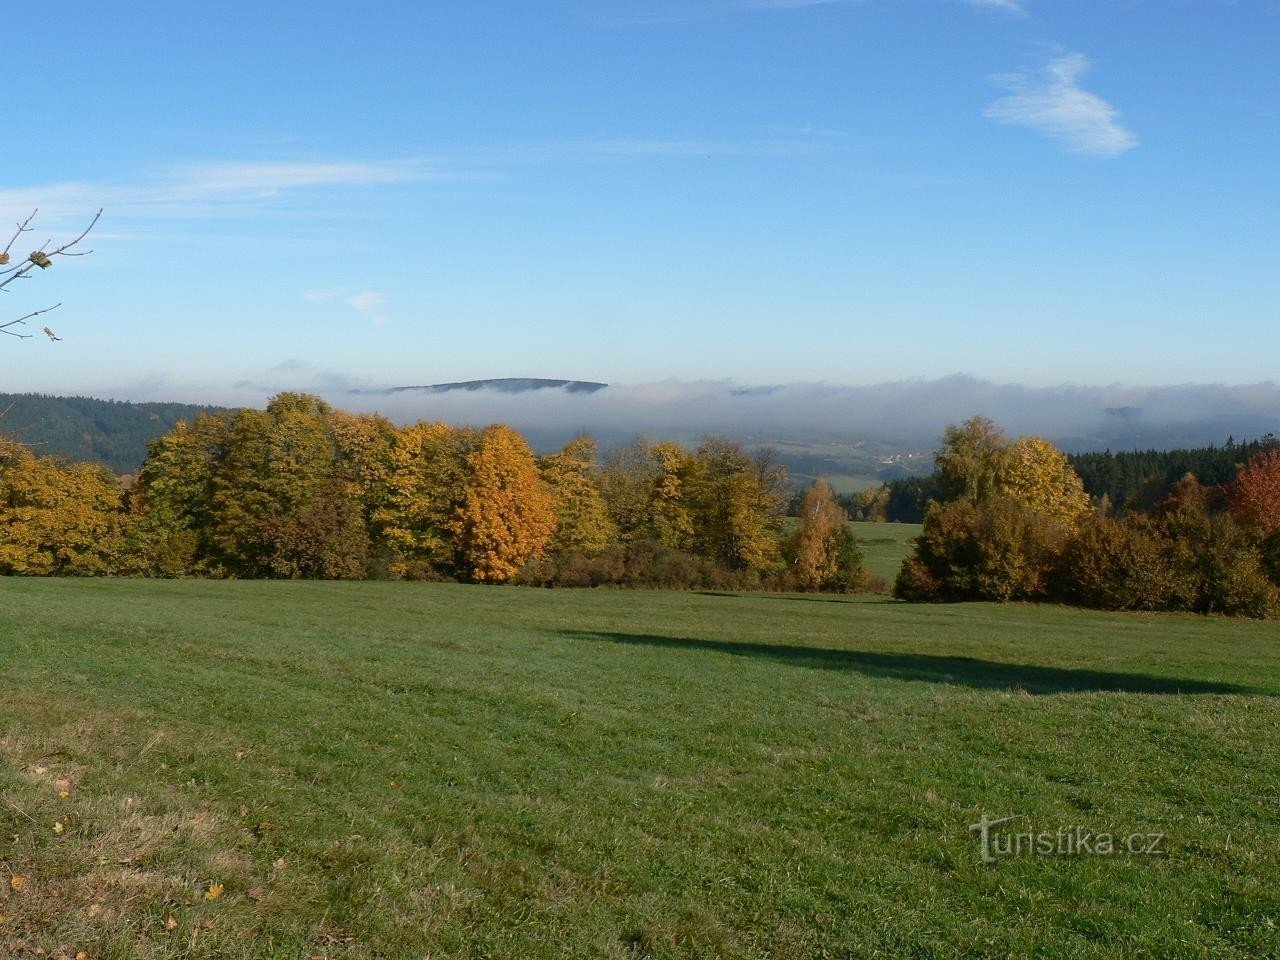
pixel 110 432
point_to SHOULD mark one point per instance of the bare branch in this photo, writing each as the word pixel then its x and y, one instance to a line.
pixel 40 258
pixel 22 321
pixel 22 228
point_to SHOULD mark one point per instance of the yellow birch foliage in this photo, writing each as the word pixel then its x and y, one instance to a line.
pixel 818 542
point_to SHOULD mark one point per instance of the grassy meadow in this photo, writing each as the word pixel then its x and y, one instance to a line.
pixel 885 545
pixel 388 770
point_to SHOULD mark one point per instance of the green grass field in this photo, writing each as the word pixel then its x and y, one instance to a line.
pixel 885 545
pixel 382 770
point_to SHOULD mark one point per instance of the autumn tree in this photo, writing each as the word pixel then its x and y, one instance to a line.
pixel 172 502
pixel 970 460
pixel 1035 472
pixel 1007 511
pixel 737 502
pixel 1255 494
pixel 424 492
pixel 363 444
pixel 669 519
pixel 582 517
pixel 626 484
pixel 58 519
pixel 281 507
pixel 507 514
pixel 823 553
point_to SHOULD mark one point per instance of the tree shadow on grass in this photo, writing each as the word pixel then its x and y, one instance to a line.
pixel 960 671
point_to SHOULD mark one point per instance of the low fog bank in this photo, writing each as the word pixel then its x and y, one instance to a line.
pixel 910 413
pixel 906 414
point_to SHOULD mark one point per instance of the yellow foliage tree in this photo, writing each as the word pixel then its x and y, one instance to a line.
pixel 424 489
pixel 507 514
pixel 582 519
pixel 737 503
pixel 670 521
pixel 819 541
pixel 57 519
pixel 1038 475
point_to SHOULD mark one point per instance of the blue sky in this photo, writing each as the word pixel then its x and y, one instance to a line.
pixel 764 191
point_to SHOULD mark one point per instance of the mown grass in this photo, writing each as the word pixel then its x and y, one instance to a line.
pixel 385 770
pixel 885 545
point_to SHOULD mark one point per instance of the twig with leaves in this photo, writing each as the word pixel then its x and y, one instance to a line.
pixel 41 258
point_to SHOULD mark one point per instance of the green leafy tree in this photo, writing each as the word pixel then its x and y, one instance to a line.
pixel 281 506
pixel 970 461
pixel 172 503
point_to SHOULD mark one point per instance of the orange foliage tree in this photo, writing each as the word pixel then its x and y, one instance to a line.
pixel 507 514
pixel 1255 495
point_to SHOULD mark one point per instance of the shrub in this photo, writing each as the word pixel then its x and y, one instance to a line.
pixel 642 563
pixel 1124 564
pixel 997 550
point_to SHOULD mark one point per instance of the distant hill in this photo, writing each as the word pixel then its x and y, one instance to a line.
pixel 81 428
pixel 500 385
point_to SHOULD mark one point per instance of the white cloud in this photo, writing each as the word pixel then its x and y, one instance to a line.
pixel 1053 103
pixel 369 304
pixel 272 177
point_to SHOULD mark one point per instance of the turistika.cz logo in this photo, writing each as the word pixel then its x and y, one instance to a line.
pixel 1068 841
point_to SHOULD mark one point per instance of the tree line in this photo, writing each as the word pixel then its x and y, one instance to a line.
pixel 1013 520
pixel 1121 480
pixel 301 490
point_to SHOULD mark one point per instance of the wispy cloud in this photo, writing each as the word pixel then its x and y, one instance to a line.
pixel 367 303
pixel 1005 6
pixel 628 147
pixel 788 4
pixel 1053 103
pixel 685 11
pixel 270 178
pixel 207 189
